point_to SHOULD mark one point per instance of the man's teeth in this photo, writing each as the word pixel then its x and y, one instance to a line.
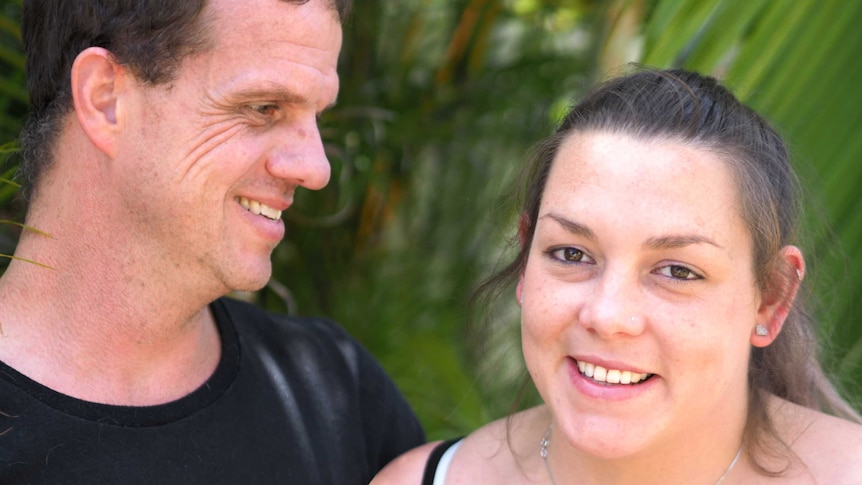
pixel 611 376
pixel 256 207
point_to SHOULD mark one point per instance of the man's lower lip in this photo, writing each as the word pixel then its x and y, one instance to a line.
pixel 270 228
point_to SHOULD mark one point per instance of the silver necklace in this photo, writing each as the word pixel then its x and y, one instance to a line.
pixel 546 440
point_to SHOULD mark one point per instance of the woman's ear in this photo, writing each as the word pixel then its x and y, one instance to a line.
pixel 97 84
pixel 519 290
pixel 778 298
pixel 524 229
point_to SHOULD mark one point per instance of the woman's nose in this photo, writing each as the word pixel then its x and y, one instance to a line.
pixel 614 305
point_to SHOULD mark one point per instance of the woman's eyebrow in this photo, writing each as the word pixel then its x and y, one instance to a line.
pixel 655 243
pixel 678 241
pixel 573 227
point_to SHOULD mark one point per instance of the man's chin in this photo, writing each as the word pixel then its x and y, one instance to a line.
pixel 253 286
pixel 250 281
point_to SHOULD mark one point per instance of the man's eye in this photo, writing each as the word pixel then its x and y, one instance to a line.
pixel 265 109
pixel 678 272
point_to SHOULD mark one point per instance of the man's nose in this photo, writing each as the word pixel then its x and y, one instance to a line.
pixel 298 156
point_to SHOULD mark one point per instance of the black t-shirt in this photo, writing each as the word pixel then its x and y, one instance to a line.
pixel 292 401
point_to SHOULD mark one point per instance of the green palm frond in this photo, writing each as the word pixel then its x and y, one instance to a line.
pixel 9 256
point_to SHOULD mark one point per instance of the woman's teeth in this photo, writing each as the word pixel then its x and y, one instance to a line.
pixel 610 376
pixel 256 207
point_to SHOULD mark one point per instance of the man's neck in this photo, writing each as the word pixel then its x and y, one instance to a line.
pixel 113 320
pixel 97 331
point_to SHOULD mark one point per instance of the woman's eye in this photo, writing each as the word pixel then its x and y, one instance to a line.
pixel 570 255
pixel 678 272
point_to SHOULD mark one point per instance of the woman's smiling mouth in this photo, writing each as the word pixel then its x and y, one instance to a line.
pixel 610 376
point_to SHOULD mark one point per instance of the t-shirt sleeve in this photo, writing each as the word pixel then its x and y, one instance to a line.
pixel 388 423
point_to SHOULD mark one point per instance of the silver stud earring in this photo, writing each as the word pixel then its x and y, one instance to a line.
pixel 798 274
pixel 760 330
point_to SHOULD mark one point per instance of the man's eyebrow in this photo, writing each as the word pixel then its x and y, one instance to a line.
pixel 678 241
pixel 273 94
pixel 571 226
pixel 276 93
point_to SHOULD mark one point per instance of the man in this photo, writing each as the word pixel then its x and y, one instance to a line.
pixel 164 142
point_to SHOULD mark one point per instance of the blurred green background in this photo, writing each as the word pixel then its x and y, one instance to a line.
pixel 440 101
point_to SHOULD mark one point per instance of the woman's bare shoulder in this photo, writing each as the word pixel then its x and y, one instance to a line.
pixel 489 454
pixel 830 448
pixel 407 468
pixel 499 452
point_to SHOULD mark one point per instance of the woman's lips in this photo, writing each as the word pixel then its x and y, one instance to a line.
pixel 610 376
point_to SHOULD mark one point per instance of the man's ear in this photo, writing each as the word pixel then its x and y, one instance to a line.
pixel 777 300
pixel 98 81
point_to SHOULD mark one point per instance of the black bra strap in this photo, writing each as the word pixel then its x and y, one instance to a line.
pixel 434 460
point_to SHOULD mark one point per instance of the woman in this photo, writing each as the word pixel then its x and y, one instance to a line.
pixel 657 280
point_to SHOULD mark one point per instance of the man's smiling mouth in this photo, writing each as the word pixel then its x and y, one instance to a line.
pixel 258 208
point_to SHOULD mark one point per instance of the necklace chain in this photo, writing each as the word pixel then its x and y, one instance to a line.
pixel 543 450
pixel 546 440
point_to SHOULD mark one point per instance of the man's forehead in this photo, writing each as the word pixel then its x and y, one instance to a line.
pixel 234 12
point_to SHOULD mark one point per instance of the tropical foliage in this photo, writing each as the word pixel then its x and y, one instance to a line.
pixel 440 102
pixel 13 106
